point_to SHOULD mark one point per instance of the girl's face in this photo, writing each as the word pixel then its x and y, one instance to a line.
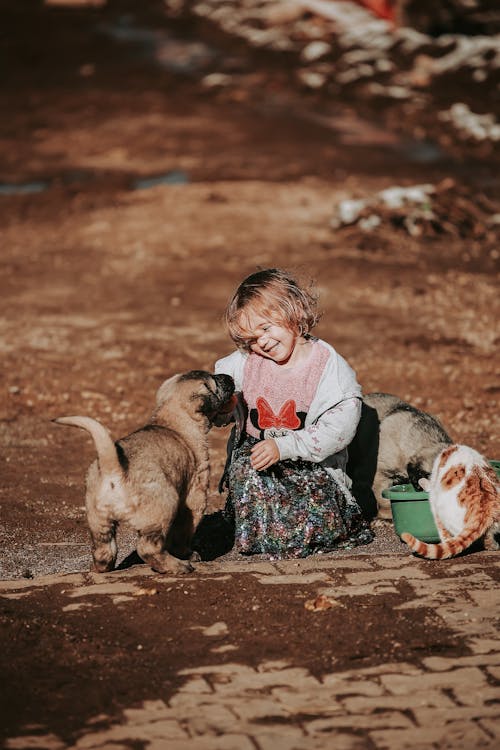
pixel 269 338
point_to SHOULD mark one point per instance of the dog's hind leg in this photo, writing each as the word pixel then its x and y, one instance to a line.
pixel 151 548
pixel 102 526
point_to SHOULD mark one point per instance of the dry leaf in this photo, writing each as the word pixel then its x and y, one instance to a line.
pixel 320 604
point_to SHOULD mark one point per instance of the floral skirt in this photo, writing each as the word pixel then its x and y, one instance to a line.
pixel 292 509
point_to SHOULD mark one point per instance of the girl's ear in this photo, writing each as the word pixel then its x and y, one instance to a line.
pixel 425 484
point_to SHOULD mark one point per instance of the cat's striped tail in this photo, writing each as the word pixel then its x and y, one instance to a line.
pixel 443 550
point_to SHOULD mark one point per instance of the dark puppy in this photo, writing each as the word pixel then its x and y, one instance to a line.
pixel 407 441
pixel 156 479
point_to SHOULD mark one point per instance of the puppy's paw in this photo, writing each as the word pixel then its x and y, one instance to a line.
pixel 184 567
pixel 102 567
pixel 177 567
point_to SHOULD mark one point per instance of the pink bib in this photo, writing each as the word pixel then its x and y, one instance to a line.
pixel 278 398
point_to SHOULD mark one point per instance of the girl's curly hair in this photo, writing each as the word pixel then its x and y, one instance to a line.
pixel 275 294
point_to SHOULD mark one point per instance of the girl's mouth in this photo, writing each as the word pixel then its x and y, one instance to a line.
pixel 270 348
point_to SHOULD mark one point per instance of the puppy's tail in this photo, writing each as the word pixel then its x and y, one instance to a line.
pixel 105 447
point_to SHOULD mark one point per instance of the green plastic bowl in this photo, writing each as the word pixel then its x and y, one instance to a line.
pixel 412 513
pixel 496 466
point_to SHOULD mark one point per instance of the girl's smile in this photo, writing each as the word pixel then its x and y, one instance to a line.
pixel 273 340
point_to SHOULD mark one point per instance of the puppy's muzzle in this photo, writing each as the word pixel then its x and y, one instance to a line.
pixel 223 411
pixel 225 387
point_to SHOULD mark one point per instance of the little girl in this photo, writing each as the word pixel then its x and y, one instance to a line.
pixel 299 407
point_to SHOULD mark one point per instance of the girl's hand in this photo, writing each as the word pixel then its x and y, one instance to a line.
pixel 264 454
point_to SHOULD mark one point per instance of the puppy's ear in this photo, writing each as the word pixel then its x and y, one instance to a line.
pixel 166 388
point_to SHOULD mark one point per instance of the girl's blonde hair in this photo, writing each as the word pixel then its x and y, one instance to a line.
pixel 276 294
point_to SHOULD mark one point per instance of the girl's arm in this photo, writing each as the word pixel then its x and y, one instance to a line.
pixel 331 432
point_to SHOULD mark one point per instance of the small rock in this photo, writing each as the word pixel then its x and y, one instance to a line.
pixel 311 79
pixel 315 50
pixel 218 628
pixel 216 80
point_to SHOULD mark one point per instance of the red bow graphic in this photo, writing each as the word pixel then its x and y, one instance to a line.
pixel 287 416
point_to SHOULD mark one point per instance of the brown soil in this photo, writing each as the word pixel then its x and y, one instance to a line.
pixel 106 290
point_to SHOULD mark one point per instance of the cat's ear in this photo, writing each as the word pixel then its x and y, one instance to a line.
pixel 425 484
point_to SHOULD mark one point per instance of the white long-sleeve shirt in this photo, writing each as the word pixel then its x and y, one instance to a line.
pixel 332 416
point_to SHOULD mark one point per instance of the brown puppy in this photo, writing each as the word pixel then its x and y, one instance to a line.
pixel 156 479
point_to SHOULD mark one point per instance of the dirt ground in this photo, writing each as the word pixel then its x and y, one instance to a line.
pixel 109 284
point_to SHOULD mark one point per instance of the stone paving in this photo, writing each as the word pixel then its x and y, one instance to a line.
pixel 436 702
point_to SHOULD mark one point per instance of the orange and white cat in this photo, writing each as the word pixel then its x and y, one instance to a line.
pixel 464 495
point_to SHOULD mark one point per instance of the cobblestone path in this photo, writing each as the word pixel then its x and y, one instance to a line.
pixel 429 701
